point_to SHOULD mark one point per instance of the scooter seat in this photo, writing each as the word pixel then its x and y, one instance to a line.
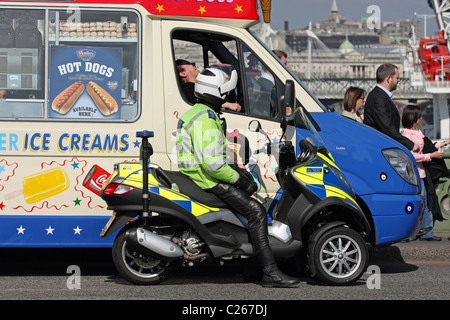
pixel 191 189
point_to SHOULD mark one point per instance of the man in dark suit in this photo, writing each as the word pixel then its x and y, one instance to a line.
pixel 380 111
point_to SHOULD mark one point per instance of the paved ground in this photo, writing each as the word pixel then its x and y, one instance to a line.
pixel 416 270
pixel 414 251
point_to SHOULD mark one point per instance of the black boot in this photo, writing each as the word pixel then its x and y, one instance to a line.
pixel 272 276
pixel 257 220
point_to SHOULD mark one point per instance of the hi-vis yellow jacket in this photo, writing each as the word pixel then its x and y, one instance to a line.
pixel 202 148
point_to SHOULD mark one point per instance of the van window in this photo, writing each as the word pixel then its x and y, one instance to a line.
pixel 257 88
pixel 261 89
pixel 22 63
pixel 69 64
pixel 203 49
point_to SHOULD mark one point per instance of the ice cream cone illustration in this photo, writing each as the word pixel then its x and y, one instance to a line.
pixel 266 6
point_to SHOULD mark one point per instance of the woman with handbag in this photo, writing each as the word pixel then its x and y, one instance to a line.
pixel 410 120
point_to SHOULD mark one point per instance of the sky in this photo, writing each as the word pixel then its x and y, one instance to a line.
pixel 299 12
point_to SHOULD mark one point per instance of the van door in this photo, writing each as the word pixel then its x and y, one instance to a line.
pixel 257 92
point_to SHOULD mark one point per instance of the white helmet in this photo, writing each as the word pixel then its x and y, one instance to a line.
pixel 215 82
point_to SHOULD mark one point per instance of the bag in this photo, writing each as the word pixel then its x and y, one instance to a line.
pixel 436 168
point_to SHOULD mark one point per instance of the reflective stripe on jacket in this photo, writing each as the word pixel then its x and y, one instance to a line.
pixel 201 148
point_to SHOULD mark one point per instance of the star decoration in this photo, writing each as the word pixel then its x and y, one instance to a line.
pixel 77 202
pixel 2 206
pixel 20 230
pixel 160 8
pixel 46 232
pixel 2 168
pixel 77 230
pixel 137 144
pixel 273 170
pixel 202 9
pixel 75 165
pixel 238 9
pixel 50 230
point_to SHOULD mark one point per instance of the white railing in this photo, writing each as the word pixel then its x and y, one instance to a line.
pixel 335 88
pixel 438 86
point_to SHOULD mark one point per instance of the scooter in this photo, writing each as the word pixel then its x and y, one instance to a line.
pixel 167 221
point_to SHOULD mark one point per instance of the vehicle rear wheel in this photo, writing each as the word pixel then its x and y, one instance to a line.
pixel 137 266
pixel 338 256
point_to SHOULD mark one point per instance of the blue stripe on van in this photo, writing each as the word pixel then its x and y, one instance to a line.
pixel 54 231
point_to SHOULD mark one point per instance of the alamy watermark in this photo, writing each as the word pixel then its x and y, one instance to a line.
pixel 74 281
pixel 374 20
pixel 374 280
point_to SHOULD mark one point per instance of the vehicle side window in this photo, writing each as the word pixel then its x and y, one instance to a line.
pixel 187 52
pixel 257 89
pixel 91 59
pixel 22 63
pixel 202 49
pixel 261 88
pixel 94 58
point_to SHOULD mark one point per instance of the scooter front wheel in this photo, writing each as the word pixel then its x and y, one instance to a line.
pixel 338 256
pixel 138 267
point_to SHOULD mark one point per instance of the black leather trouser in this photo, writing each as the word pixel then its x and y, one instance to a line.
pixel 256 215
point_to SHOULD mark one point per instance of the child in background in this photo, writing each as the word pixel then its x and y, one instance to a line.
pixel 410 120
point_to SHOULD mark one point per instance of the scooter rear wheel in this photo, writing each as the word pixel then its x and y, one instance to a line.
pixel 338 256
pixel 137 267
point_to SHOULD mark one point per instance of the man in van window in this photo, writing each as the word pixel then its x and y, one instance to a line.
pixel 187 73
pixel 380 111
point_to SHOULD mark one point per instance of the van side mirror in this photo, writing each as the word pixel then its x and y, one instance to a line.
pixel 289 97
pixel 287 103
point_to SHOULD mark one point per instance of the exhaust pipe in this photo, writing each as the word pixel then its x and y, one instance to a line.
pixel 140 238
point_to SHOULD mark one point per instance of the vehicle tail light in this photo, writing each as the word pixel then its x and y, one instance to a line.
pixel 116 189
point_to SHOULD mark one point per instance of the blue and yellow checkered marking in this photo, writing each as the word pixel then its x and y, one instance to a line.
pixel 133 174
pixel 313 177
pixel 195 207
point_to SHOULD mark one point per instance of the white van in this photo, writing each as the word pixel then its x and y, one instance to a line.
pixel 81 77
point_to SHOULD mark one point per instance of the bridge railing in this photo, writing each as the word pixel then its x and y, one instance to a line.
pixel 437 86
pixel 335 88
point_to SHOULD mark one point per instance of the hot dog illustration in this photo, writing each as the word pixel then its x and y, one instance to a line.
pixel 67 98
pixel 103 100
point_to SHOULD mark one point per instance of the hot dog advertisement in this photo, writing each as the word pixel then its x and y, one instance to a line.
pixel 102 98
pixel 86 82
pixel 67 98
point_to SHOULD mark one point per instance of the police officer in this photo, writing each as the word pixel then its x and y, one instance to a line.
pixel 201 151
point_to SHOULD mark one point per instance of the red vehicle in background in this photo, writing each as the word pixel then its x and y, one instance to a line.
pixel 434 58
pixel 434 53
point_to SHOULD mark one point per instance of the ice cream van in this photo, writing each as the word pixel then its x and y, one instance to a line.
pixel 81 77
